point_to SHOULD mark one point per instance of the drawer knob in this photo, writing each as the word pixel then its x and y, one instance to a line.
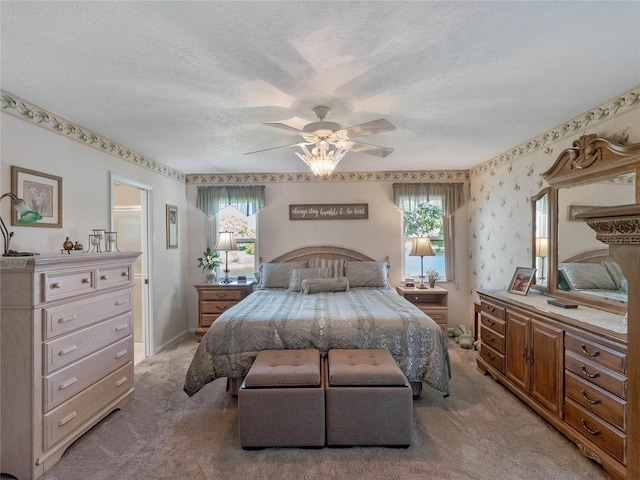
pixel 590 375
pixel 490 355
pixel 56 285
pixel 584 425
pixel 491 309
pixel 592 402
pixel 85 280
pixel 491 338
pixel 104 277
pixel 67 419
pixel 490 322
pixel 125 274
pixel 588 353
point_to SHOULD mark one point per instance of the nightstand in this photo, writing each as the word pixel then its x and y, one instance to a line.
pixel 215 298
pixel 432 301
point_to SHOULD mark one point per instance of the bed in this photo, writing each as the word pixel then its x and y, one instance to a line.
pixel 302 302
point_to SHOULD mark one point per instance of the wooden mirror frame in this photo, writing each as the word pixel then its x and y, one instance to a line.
pixel 589 159
pixel 534 231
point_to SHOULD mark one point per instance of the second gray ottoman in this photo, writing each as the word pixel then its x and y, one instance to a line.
pixel 368 399
pixel 281 401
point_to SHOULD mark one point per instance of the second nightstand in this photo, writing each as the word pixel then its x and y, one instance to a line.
pixel 215 298
pixel 432 301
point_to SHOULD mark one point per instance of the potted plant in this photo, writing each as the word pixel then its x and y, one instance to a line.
pixel 432 276
pixel 209 261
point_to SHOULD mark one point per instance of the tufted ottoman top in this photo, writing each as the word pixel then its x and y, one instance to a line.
pixel 372 367
pixel 284 368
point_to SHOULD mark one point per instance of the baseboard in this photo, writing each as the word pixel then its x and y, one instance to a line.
pixel 174 340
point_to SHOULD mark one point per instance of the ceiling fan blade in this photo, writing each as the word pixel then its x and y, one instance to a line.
pixel 275 148
pixel 284 126
pixel 369 149
pixel 369 128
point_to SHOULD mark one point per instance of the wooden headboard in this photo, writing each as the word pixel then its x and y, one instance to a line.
pixel 307 253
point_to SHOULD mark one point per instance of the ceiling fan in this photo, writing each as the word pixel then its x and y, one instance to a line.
pixel 323 135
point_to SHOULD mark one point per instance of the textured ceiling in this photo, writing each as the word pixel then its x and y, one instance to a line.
pixel 190 84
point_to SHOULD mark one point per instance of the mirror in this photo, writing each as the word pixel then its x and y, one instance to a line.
pixel 594 172
pixel 540 238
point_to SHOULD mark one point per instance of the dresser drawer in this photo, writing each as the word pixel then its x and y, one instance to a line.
pixel 206 320
pixel 495 340
pixel 69 348
pixel 426 298
pixel 63 284
pixel 590 372
pixel 67 382
pixel 494 324
pixel 493 358
pixel 493 310
pixel 221 295
pixel 215 307
pixel 72 414
pixel 596 353
pixel 596 400
pixel 72 316
pixel 115 275
pixel 598 432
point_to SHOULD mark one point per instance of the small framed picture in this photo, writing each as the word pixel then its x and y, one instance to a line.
pixel 41 192
pixel 172 226
pixel 521 281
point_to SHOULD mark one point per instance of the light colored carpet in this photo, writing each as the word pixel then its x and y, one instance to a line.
pixel 480 431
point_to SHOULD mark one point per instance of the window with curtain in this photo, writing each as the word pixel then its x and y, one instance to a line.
pixel 233 209
pixel 428 210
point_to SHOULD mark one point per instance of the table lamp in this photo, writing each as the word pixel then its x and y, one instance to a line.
pixel 25 217
pixel 542 251
pixel 225 243
pixel 421 248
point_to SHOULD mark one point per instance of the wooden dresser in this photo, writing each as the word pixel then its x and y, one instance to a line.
pixel 215 298
pixel 66 350
pixel 571 372
pixel 432 301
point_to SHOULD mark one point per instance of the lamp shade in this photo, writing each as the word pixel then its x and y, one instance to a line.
pixel 421 247
pixel 225 242
pixel 542 247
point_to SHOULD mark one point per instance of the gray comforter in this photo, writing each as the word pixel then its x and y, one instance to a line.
pixel 359 318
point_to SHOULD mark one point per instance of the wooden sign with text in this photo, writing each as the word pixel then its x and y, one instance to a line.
pixel 329 211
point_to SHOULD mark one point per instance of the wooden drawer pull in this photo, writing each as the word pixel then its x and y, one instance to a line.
pixel 491 338
pixel 67 419
pixel 67 319
pixel 490 355
pixel 68 383
pixel 121 327
pixel 592 402
pixel 584 425
pixel 122 302
pixel 56 285
pixel 490 322
pixel 590 375
pixel 121 381
pixel 121 353
pixel 586 352
pixel 67 350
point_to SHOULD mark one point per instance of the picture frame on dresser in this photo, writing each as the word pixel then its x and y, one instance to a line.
pixel 521 280
pixel 172 226
pixel 42 192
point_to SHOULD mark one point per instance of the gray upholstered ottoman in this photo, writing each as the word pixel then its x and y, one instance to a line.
pixel 281 401
pixel 369 400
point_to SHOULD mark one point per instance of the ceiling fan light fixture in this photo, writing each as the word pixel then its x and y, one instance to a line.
pixel 321 160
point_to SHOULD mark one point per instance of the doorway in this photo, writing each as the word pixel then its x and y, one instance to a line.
pixel 130 218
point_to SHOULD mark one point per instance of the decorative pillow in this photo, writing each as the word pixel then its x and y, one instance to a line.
pixel 276 275
pixel 616 273
pixel 587 276
pixel 315 285
pixel 367 274
pixel 298 274
pixel 336 265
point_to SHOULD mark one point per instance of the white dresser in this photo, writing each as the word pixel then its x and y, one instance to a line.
pixel 66 352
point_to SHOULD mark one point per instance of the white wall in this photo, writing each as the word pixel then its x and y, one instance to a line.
pixel 380 236
pixel 86 204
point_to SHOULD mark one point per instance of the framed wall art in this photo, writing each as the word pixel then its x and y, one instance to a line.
pixel 172 226
pixel 521 281
pixel 41 192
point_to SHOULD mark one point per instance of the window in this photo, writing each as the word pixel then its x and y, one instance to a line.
pixel 241 261
pixel 426 221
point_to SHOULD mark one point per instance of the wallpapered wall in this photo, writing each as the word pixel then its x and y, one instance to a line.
pixel 500 220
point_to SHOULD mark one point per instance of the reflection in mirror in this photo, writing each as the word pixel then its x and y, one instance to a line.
pixel 584 267
pixel 540 247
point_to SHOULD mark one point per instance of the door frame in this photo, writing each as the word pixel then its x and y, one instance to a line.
pixel 148 249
